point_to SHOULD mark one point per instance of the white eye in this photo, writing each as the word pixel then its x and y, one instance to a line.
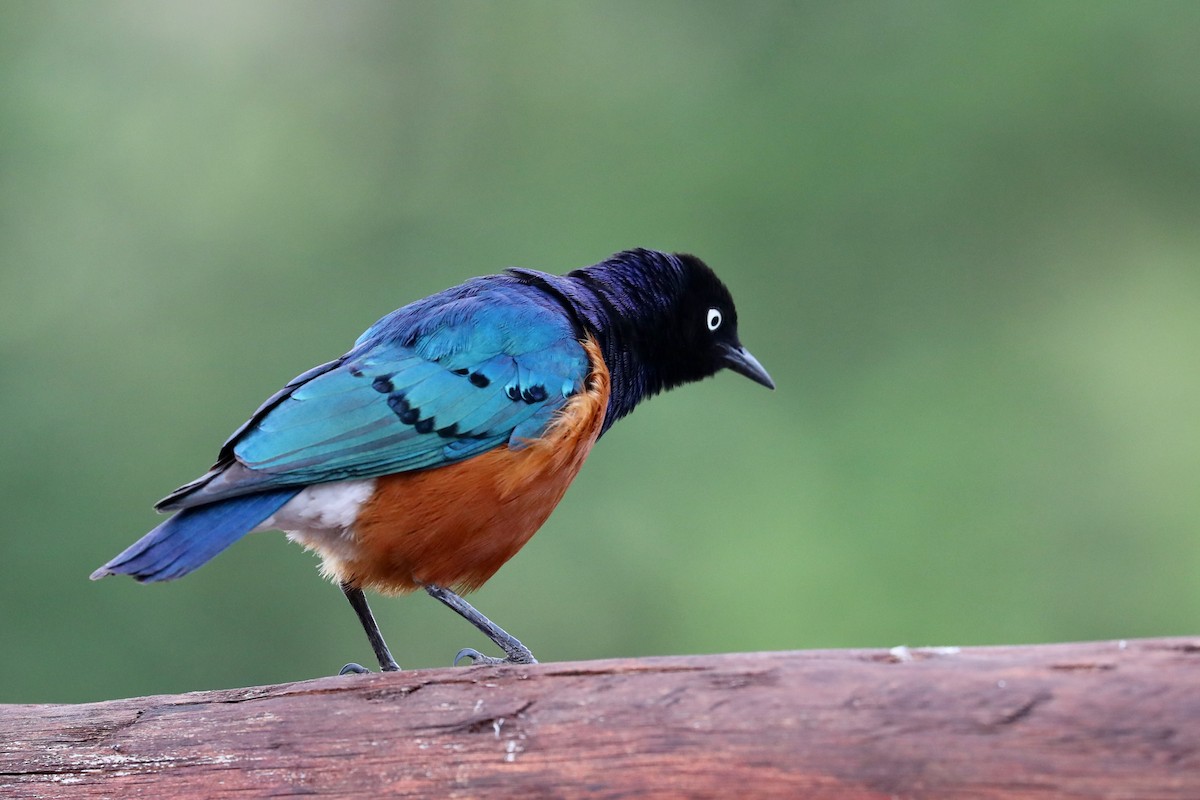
pixel 714 319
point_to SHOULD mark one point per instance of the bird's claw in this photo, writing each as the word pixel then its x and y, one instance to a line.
pixel 477 657
pixel 354 669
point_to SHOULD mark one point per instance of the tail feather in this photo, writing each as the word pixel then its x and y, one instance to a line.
pixel 194 536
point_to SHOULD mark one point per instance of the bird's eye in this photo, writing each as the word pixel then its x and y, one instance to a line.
pixel 714 319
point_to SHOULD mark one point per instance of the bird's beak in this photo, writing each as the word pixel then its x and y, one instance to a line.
pixel 739 360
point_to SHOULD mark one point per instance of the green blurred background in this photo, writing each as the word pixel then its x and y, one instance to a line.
pixel 964 238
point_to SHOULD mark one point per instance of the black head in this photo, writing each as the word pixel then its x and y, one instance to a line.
pixel 661 319
pixel 699 336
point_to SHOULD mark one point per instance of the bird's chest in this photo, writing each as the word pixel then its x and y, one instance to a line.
pixel 455 526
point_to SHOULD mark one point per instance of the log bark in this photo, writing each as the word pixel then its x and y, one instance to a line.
pixel 1094 720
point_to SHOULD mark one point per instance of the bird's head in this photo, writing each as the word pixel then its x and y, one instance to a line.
pixel 662 320
pixel 699 331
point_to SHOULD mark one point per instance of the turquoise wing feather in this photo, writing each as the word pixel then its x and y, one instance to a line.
pixel 443 379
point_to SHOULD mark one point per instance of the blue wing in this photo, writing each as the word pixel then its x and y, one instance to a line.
pixel 443 379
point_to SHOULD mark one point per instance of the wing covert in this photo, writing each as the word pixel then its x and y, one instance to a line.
pixel 435 382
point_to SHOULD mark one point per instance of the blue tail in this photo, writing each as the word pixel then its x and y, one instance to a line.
pixel 194 536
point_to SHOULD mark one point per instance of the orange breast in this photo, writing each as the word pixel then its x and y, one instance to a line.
pixel 456 525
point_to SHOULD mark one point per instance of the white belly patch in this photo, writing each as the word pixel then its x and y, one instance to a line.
pixel 322 516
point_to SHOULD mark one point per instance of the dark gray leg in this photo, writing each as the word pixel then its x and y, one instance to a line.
pixel 358 601
pixel 517 653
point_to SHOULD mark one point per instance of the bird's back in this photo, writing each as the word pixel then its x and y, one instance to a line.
pixel 431 384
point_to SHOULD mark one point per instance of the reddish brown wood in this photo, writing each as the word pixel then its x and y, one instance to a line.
pixel 1097 720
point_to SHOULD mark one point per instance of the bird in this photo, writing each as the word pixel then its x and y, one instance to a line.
pixel 429 454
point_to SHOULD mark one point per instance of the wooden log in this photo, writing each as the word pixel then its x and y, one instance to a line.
pixel 1095 720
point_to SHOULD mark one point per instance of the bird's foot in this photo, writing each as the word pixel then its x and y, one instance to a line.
pixel 358 601
pixel 516 652
pixel 358 669
pixel 476 657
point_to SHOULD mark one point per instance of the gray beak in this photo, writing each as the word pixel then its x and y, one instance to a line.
pixel 740 361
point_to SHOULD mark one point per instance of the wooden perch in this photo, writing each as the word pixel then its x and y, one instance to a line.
pixel 1098 720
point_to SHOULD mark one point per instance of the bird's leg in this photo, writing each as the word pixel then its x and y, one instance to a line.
pixel 517 653
pixel 358 601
